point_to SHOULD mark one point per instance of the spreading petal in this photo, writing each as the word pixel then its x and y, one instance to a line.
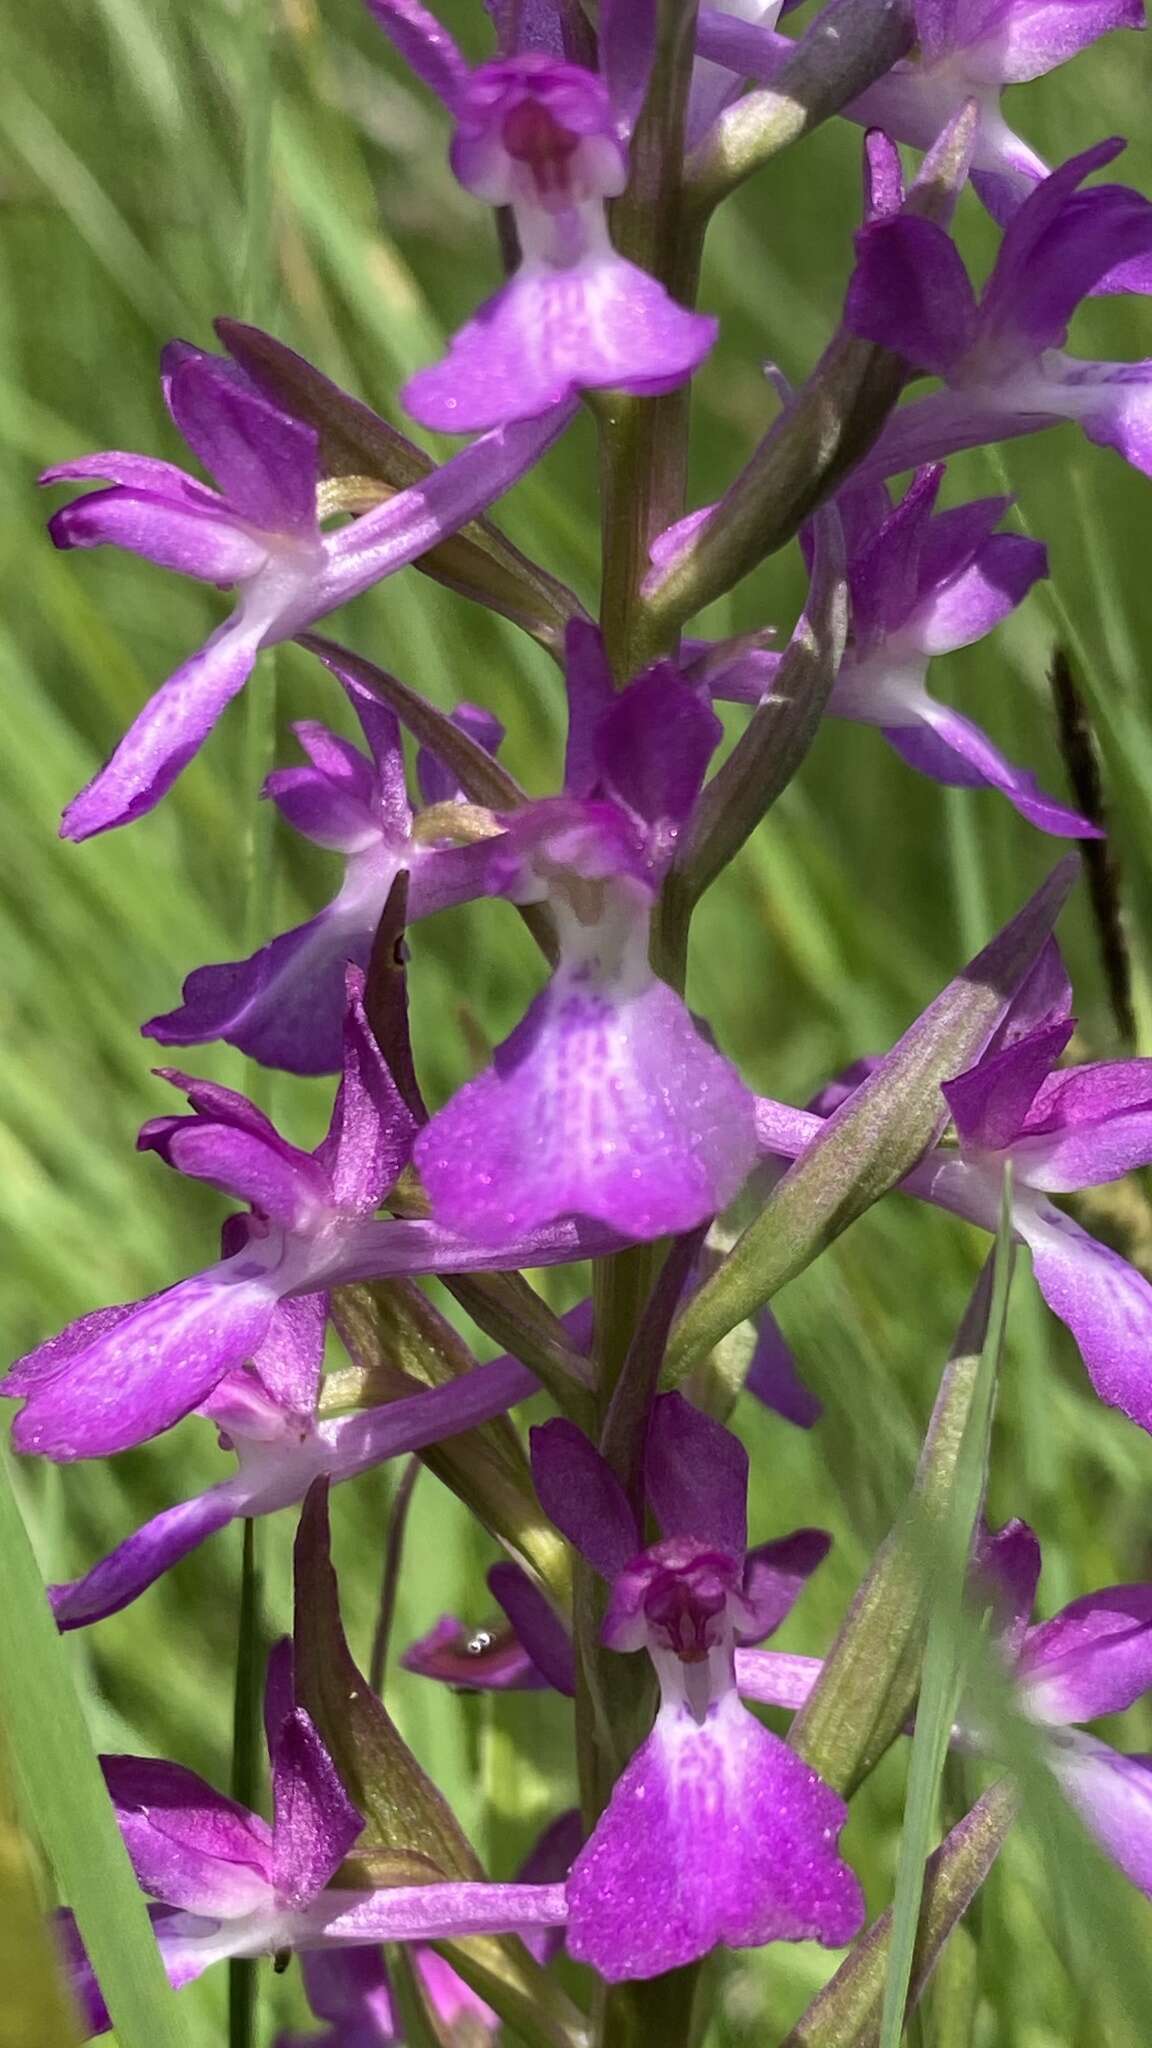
pixel 1093 1658
pixel 949 748
pixel 713 1834
pixel 166 735
pixel 773 1377
pixel 195 540
pixel 1113 1796
pixel 583 1497
pixel 145 1556
pixel 1105 1302
pixel 190 1846
pixel 617 1111
pixel 910 292
pixel 552 333
pixel 148 1369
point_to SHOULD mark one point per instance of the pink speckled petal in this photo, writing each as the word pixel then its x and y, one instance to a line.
pixel 714 1833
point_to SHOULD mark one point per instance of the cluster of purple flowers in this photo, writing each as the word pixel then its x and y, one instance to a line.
pixel 610 1119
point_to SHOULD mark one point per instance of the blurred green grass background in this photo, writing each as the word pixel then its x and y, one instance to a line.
pixel 122 222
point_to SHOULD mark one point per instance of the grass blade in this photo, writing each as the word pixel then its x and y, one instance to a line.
pixel 940 1684
pixel 64 1787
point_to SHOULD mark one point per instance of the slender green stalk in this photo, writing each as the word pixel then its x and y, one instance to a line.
pixel 256 292
pixel 390 1577
pixel 644 441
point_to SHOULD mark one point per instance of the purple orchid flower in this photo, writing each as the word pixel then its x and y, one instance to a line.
pixel 122 1375
pixel 260 532
pixel 606 1102
pixel 1093 1658
pixel 1061 1130
pixel 548 139
pixel 716 1831
pixel 965 50
pixel 1002 356
pixel 116 1377
pixel 284 1005
pixel 266 1415
pixel 534 1649
pixel 230 1885
pixel 923 585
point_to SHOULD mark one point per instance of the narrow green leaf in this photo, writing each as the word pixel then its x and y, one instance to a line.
pixel 873 1139
pixel 948 1573
pixel 867 1687
pixel 67 1803
pixel 846 2014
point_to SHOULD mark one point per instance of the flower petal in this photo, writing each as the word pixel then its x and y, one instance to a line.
pixel 910 292
pixel 315 1822
pixel 1033 37
pixel 190 1846
pixel 990 1102
pixel 169 731
pixel 773 1379
pixel 195 540
pixel 1113 1796
pixel 696 1477
pixel 264 461
pixel 583 1497
pixel 472 1660
pixel 617 1111
pixel 145 1556
pixel 536 1624
pixel 1093 1658
pixel 1087 1125
pixel 426 47
pixel 1105 1302
pixel 369 1140
pixel 150 1368
pixel 776 1574
pixel 552 333
pixel 953 750
pixel 713 1834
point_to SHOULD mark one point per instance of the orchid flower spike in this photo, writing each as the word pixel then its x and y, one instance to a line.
pixel 260 532
pixel 716 1831
pixel 548 139
pixel 1002 356
pixel 923 583
pixel 284 1005
pixel 965 50
pixel 228 1884
pixel 606 1102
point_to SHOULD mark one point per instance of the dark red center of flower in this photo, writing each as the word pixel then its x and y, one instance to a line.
pixel 535 137
pixel 685 1609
